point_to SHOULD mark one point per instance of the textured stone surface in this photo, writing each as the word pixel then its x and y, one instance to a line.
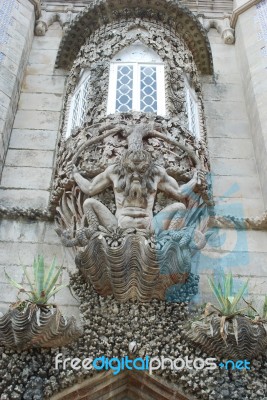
pixel 16 37
pixel 98 13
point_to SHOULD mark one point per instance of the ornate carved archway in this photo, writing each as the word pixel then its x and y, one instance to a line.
pixel 170 12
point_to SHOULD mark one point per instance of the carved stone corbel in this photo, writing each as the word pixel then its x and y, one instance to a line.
pixel 48 18
pixel 222 26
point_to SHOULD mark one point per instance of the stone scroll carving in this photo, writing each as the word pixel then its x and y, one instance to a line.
pixel 132 227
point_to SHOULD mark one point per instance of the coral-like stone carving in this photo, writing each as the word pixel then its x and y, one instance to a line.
pixel 129 249
pixel 39 327
pixel 172 14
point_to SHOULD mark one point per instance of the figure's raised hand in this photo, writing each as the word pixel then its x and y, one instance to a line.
pixel 200 177
pixel 71 170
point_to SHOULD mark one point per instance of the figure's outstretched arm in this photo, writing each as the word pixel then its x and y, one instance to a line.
pixel 169 185
pixel 97 185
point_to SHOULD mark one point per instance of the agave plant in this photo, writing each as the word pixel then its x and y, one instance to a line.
pixel 44 284
pixel 226 297
pixel 34 322
pixel 229 330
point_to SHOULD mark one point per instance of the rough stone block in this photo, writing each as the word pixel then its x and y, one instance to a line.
pixel 225 110
pixel 43 69
pixel 17 253
pixel 45 43
pixel 43 56
pixel 231 148
pixel 21 231
pixel 24 198
pixel 239 207
pixel 11 49
pixel 223 92
pixel 8 293
pixel 237 186
pixel 237 167
pixel 14 271
pixel 7 81
pixel 40 101
pixel 238 128
pixel 44 84
pixel 51 236
pixel 26 178
pixel 33 139
pixel 29 158
pixel 45 120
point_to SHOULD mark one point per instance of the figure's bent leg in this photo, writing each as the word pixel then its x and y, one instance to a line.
pixel 98 214
pixel 171 217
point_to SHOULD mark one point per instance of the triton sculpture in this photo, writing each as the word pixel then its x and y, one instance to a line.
pixel 133 252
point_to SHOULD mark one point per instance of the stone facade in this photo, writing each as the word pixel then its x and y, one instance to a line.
pixel 38 74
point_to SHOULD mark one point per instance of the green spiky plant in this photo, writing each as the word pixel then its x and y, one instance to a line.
pixel 224 292
pixel 44 283
pixel 229 301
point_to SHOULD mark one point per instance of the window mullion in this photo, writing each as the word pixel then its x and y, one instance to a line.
pixel 160 89
pixel 111 106
pixel 136 87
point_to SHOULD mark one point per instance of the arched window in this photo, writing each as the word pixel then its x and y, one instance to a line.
pixel 136 81
pixel 192 110
pixel 79 103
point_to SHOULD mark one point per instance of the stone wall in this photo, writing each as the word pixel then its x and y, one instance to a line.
pixel 235 164
pixel 251 51
pixel 28 170
pixel 17 23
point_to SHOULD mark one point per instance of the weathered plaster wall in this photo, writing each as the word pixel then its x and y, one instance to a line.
pixel 17 23
pixel 28 170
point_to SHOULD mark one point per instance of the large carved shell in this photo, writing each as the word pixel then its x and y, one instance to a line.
pixel 133 270
pixel 36 328
pixel 245 339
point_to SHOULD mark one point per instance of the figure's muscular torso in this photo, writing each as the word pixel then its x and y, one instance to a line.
pixel 132 211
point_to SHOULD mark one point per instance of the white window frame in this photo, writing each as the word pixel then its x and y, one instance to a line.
pixel 160 82
pixel 78 98
pixel 191 98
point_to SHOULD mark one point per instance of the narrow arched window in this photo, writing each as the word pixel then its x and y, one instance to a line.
pixel 192 109
pixel 79 103
pixel 136 81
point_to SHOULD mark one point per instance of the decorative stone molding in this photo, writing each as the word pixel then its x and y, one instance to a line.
pixel 31 213
pixel 240 10
pixel 177 17
pixel 223 27
pixel 231 222
pixel 48 18
pixel 112 38
pixel 37 7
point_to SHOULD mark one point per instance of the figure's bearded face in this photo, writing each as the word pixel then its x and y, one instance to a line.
pixel 135 166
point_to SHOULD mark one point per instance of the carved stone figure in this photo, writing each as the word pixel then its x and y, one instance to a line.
pixel 134 252
pixel 135 181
